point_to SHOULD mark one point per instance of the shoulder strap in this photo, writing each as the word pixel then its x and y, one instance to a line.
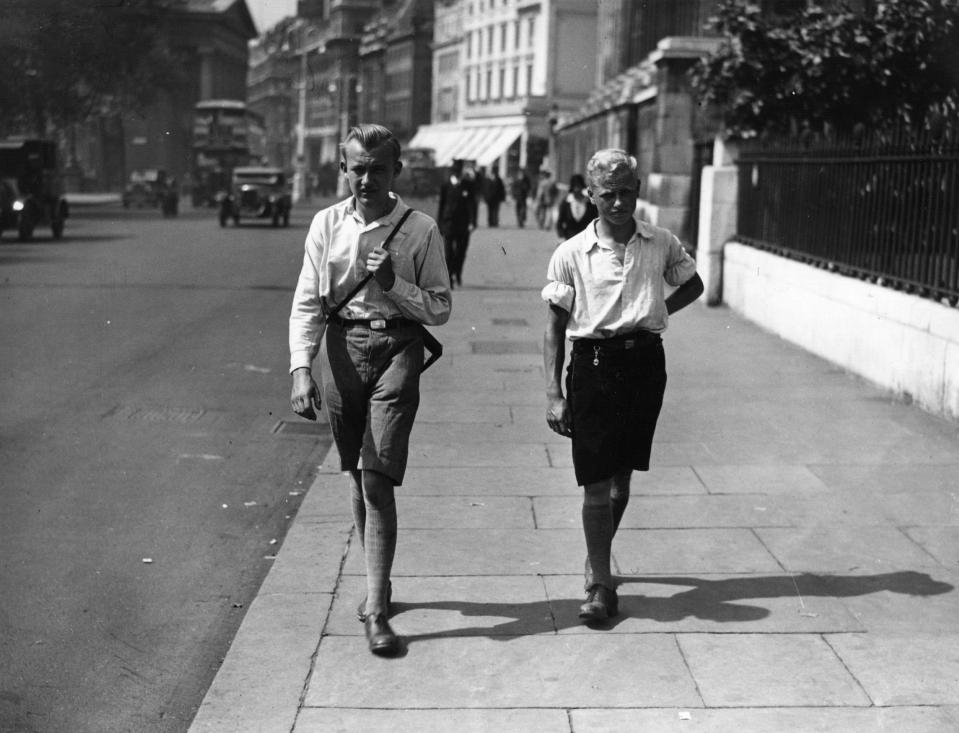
pixel 362 284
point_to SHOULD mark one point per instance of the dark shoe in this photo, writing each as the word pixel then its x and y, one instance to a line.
pixel 382 639
pixel 361 609
pixel 601 604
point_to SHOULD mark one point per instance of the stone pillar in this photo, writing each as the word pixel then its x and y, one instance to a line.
pixel 719 198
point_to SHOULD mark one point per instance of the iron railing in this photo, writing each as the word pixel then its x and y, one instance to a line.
pixel 886 210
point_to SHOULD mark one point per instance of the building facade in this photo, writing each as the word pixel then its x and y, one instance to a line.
pixel 519 63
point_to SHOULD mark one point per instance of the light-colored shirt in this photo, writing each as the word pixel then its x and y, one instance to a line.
pixel 609 291
pixel 334 262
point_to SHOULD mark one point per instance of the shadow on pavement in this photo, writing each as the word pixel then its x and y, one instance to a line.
pixel 710 600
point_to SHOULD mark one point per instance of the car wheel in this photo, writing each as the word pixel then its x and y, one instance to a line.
pixel 276 219
pixel 236 219
pixel 286 218
pixel 223 218
pixel 56 226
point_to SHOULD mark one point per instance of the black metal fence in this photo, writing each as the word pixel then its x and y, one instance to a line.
pixel 886 210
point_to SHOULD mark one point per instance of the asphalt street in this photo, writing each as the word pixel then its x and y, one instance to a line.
pixel 146 475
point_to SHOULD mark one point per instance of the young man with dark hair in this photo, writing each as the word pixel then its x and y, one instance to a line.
pixel 606 293
pixel 372 354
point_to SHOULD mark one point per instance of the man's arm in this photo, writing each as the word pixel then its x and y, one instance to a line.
pixel 558 416
pixel 685 294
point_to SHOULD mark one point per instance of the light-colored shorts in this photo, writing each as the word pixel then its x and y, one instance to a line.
pixel 371 389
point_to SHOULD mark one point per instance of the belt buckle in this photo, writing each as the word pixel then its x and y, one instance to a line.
pixel 629 343
pixel 378 324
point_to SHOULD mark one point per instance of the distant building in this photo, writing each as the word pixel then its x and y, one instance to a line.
pixel 643 103
pixel 271 89
pixel 521 63
pixel 211 37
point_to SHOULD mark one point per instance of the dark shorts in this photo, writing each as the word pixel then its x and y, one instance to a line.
pixel 371 389
pixel 615 395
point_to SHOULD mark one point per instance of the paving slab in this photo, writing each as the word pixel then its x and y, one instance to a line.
pixel 659 512
pixel 753 479
pixel 836 549
pixel 500 480
pixel 311 563
pixel 901 601
pixel 339 720
pixel 258 687
pixel 481 552
pixel 764 720
pixel 466 512
pixel 504 672
pixel 493 605
pixel 764 670
pixel 664 551
pixel 940 542
pixel 903 669
pixel 478 454
pixel 889 478
pixel 720 604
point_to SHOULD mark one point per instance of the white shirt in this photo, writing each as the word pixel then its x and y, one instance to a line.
pixel 334 262
pixel 609 291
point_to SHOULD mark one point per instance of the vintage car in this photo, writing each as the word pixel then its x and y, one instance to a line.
pixel 31 192
pixel 146 189
pixel 257 193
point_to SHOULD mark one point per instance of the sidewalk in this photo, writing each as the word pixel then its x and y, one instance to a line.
pixel 789 564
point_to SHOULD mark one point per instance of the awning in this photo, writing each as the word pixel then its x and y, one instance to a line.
pixel 505 136
pixel 480 143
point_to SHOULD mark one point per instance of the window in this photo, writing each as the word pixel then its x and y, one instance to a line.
pixel 529 79
pixel 469 86
pixel 531 26
pixel 516 34
pixel 489 40
pixel 501 92
pixel 489 84
pixel 515 80
pixel 469 45
pixel 502 37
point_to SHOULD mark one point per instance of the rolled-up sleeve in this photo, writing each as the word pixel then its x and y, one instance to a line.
pixel 679 265
pixel 307 324
pixel 429 300
pixel 559 294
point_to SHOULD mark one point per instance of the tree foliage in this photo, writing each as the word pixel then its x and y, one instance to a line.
pixel 832 69
pixel 69 60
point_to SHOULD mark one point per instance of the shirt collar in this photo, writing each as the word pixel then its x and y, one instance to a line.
pixel 591 239
pixel 390 218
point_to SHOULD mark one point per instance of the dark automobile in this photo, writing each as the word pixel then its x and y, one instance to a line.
pixel 31 191
pixel 258 193
pixel 146 189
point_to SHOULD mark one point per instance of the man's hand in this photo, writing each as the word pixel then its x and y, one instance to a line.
pixel 305 397
pixel 558 416
pixel 381 265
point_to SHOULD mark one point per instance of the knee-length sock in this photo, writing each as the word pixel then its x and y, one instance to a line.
pixel 598 528
pixel 379 550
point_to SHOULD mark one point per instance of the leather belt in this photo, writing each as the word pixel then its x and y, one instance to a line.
pixel 622 342
pixel 373 324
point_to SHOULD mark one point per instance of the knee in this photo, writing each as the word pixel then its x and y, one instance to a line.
pixel 378 490
pixel 596 494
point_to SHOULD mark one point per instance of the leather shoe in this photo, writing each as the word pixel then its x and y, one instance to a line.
pixel 361 609
pixel 382 639
pixel 601 603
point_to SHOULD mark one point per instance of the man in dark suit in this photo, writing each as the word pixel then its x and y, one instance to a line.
pixel 457 218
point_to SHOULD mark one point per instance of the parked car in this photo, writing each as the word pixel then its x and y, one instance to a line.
pixel 146 189
pixel 257 192
pixel 31 191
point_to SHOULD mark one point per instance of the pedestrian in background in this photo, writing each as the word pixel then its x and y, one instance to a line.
pixel 546 193
pixel 605 291
pixel 494 195
pixel 457 218
pixel 372 354
pixel 576 211
pixel 519 189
